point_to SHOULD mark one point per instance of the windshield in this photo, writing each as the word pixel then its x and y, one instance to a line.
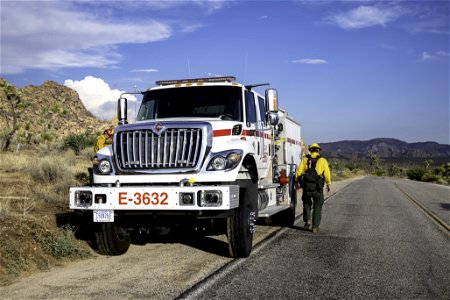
pixel 224 102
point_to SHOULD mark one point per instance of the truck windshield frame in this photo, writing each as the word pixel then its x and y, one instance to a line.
pixel 224 102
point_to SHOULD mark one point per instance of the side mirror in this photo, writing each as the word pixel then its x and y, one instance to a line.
pixel 271 99
pixel 272 106
pixel 122 111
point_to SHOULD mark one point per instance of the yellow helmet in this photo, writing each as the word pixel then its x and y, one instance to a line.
pixel 314 146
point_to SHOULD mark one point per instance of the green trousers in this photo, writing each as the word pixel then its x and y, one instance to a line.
pixel 315 201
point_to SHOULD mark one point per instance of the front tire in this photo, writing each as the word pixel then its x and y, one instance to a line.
pixel 241 223
pixel 111 239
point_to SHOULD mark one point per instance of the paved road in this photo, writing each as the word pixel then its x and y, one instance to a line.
pixel 374 244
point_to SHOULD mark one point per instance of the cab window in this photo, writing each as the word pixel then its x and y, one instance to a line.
pixel 250 108
pixel 262 110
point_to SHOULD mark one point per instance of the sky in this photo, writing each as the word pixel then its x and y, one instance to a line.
pixel 345 70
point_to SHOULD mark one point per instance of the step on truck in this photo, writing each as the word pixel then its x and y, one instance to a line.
pixel 209 153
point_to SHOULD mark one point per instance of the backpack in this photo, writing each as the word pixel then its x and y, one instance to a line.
pixel 310 180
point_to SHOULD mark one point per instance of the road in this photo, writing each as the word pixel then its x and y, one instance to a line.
pixel 375 243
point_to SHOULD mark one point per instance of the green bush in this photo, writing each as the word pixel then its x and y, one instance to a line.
pixel 63 245
pixel 78 142
pixel 429 177
pixel 416 173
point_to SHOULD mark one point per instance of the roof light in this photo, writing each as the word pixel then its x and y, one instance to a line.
pixel 196 80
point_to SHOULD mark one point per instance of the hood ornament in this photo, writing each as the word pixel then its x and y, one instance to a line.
pixel 158 128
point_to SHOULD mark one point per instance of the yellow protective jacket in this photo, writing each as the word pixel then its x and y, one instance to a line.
pixel 102 141
pixel 322 168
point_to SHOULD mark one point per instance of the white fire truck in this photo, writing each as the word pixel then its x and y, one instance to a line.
pixel 207 152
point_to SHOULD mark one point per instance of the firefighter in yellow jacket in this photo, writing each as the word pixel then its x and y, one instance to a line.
pixel 104 139
pixel 312 184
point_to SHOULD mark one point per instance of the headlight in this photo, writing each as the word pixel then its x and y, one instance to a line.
pixel 233 159
pixel 218 163
pixel 224 161
pixel 104 166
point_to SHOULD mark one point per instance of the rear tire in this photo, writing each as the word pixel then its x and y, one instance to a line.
pixel 111 239
pixel 241 223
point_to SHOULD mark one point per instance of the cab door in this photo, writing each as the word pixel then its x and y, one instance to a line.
pixel 259 131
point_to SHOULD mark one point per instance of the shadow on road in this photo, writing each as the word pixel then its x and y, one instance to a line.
pixel 82 226
pixel 445 206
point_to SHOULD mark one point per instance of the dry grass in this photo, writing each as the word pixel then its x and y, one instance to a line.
pixel 34 189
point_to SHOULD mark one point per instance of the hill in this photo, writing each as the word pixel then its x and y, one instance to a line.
pixel 386 148
pixel 47 112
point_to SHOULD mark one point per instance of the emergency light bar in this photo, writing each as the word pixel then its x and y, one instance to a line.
pixel 194 80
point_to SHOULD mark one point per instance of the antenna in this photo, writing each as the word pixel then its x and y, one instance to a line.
pixel 135 103
pixel 189 66
pixel 245 72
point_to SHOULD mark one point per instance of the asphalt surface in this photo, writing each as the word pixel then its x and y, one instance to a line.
pixel 374 244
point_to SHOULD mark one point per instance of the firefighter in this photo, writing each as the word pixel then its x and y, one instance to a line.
pixel 104 139
pixel 312 174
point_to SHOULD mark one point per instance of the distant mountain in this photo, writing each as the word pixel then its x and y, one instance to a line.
pixel 385 148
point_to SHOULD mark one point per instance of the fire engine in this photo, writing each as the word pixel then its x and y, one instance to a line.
pixel 209 153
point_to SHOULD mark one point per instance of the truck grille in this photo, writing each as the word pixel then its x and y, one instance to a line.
pixel 175 148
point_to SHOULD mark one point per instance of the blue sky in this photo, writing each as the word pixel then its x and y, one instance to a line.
pixel 346 70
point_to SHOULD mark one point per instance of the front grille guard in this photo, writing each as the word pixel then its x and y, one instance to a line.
pixel 172 147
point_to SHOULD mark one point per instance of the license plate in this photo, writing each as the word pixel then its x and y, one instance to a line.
pixel 103 216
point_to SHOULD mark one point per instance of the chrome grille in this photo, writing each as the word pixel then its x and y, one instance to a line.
pixel 175 148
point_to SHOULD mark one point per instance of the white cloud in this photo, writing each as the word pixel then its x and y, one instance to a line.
pixel 52 35
pixel 310 61
pixel 191 28
pixel 367 16
pixel 427 56
pixel 145 70
pixel 443 53
pixel 434 56
pixel 208 6
pixel 97 96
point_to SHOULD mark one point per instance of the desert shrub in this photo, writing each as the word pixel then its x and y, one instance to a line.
pixel 49 170
pixel 70 157
pixel 88 153
pixel 394 170
pixel 415 173
pixel 83 177
pixel 78 142
pixel 63 244
pixel 379 171
pixel 430 177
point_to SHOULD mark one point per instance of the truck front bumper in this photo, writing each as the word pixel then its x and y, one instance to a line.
pixel 154 198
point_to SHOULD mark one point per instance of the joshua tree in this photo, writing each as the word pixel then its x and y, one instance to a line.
pixel 10 107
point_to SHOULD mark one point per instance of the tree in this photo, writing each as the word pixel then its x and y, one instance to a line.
pixel 427 163
pixel 78 142
pixel 10 107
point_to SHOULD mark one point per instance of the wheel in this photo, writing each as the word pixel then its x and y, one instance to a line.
pixel 111 239
pixel 241 223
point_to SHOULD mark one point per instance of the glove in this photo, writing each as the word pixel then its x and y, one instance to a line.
pixel 297 184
